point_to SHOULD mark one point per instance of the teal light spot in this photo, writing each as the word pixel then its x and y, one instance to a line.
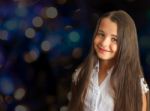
pixel 11 25
pixel 21 11
pixel 74 36
pixel 6 86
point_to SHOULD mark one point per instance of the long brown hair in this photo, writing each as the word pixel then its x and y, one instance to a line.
pixel 125 77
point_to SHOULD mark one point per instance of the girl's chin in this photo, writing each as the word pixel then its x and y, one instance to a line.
pixel 105 58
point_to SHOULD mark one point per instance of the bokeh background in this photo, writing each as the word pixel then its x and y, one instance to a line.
pixel 43 41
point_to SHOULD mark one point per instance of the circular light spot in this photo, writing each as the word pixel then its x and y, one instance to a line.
pixel 30 33
pixel 74 36
pixel 37 21
pixel 11 24
pixel 45 46
pixel 19 93
pixel 51 12
pixel 21 108
pixel 64 108
pixel 77 53
pixel 21 11
pixel 31 56
pixel 6 86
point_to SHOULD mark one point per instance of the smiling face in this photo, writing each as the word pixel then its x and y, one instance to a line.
pixel 105 42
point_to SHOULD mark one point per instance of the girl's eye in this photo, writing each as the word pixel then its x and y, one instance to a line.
pixel 114 40
pixel 100 34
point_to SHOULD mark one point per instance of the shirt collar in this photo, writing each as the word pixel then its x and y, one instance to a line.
pixel 98 65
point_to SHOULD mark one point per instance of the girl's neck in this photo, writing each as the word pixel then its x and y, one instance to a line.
pixel 105 65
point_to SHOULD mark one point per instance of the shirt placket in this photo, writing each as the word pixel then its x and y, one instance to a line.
pixel 95 91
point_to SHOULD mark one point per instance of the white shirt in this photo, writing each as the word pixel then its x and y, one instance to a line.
pixel 98 97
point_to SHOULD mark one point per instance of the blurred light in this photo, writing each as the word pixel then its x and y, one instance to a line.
pixel 30 33
pixel 20 3
pixel 69 96
pixel 31 56
pixel 51 12
pixel 6 85
pixel 77 53
pixel 77 14
pixel 61 2
pixel 51 42
pixel 11 24
pixel 64 108
pixel 19 93
pixel 68 27
pixel 28 58
pixel 3 35
pixel 77 10
pixel 23 25
pixel 45 46
pixel 21 11
pixel 148 59
pixel 37 21
pixel 74 36
pixel 21 108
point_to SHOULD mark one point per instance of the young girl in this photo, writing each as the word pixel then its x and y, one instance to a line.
pixel 111 77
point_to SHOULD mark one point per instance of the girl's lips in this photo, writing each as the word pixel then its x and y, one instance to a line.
pixel 103 50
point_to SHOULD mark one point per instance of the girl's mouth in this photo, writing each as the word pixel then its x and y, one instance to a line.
pixel 103 50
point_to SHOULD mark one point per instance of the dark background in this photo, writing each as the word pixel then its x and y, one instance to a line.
pixel 43 41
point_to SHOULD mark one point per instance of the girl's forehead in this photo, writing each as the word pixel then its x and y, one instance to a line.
pixel 106 21
pixel 108 26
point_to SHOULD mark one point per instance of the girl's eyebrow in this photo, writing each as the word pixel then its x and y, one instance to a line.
pixel 104 32
pixel 100 30
pixel 114 35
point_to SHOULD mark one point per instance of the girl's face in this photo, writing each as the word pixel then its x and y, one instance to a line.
pixel 105 42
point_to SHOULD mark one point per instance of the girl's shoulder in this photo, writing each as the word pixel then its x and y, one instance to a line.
pixel 144 85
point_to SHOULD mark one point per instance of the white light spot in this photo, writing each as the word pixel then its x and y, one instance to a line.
pixel 19 93
pixel 30 33
pixel 37 21
pixel 21 108
pixel 45 46
pixel 51 12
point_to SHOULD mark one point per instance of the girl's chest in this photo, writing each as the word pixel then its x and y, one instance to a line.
pixel 98 97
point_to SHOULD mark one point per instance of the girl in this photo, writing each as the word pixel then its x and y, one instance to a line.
pixel 111 77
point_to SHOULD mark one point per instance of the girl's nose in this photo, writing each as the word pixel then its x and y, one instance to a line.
pixel 105 42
